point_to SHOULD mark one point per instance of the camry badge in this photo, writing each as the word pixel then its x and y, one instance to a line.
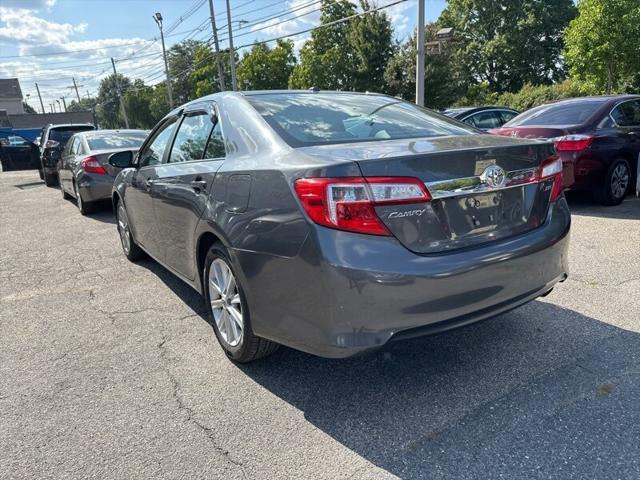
pixel 494 176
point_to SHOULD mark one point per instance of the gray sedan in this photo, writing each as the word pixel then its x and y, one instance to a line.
pixel 335 222
pixel 83 168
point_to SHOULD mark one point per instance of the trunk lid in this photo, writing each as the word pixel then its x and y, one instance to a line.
pixel 484 187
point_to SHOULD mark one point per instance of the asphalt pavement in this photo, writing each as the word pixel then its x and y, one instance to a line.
pixel 109 370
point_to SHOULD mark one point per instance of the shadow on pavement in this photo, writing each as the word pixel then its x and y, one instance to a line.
pixel 541 392
pixel 582 204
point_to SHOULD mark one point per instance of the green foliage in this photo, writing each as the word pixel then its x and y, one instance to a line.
pixel 508 43
pixel 264 68
pixel 326 58
pixel 370 39
pixel 138 104
pixel 205 71
pixel 83 105
pixel 603 45
pixel 108 109
pixel 181 58
pixel 443 79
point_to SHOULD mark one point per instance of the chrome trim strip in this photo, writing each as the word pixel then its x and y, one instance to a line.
pixel 474 185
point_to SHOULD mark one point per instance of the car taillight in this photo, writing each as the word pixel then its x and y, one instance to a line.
pixel 91 165
pixel 51 144
pixel 349 203
pixel 572 143
pixel 552 168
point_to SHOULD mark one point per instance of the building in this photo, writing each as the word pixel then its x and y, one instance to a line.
pixel 11 96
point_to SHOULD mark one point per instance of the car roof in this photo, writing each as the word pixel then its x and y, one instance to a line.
pixel 66 125
pixel 596 98
pixel 89 133
pixel 472 110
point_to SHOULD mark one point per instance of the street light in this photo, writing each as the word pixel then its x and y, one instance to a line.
pixel 158 19
pixel 59 106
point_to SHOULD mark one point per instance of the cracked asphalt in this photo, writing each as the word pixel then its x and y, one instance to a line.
pixel 109 369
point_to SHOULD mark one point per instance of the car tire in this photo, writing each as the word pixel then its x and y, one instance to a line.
pixel 50 180
pixel 131 249
pixel 84 207
pixel 229 311
pixel 616 183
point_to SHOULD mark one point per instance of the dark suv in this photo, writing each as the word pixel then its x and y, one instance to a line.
pixel 54 138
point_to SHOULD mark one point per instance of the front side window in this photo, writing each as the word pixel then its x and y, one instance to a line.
pixel 627 114
pixel 191 138
pixel 153 152
pixel 485 120
pixel 307 119
pixel 507 116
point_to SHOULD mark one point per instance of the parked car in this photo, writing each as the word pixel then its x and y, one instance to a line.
pixel 18 153
pixel 483 118
pixel 83 169
pixel 335 222
pixel 598 139
pixel 53 140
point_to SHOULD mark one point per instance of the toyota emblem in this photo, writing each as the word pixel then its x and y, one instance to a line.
pixel 494 176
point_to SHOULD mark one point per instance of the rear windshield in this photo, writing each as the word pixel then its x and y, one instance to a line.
pixel 63 134
pixel 307 119
pixel 572 113
pixel 109 141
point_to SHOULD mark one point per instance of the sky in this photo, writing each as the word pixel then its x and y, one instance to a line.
pixel 51 42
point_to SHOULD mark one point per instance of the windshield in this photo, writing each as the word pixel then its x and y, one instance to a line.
pixel 307 119
pixel 62 135
pixel 109 141
pixel 569 113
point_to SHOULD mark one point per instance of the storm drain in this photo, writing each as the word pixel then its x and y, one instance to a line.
pixel 27 186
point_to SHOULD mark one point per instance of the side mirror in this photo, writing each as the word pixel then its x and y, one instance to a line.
pixel 122 159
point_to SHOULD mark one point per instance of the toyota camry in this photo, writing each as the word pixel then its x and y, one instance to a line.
pixel 335 222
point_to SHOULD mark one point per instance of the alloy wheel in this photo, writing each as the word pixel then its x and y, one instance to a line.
pixel 226 305
pixel 123 228
pixel 619 180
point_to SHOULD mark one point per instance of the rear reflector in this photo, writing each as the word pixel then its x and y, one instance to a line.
pixel 348 203
pixel 552 168
pixel 91 165
pixel 572 143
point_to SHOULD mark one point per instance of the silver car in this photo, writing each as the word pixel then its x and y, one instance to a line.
pixel 83 169
pixel 336 222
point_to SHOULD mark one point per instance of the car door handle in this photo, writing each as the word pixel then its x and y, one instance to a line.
pixel 198 185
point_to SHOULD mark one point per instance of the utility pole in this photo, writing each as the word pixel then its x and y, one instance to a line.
pixel 232 55
pixel 420 56
pixel 64 103
pixel 76 87
pixel 124 110
pixel 40 97
pixel 217 47
pixel 52 107
pixel 59 106
pixel 158 18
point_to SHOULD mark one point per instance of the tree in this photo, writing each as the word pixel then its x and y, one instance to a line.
pixel 85 104
pixel 443 78
pixel 370 38
pixel 326 58
pixel 137 101
pixel 264 68
pixel 28 108
pixel 603 47
pixel 181 59
pixel 108 108
pixel 205 71
pixel 507 43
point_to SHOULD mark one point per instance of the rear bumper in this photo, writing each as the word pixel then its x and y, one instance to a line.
pixel 94 188
pixel 346 293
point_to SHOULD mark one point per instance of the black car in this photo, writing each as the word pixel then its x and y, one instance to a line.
pixel 483 118
pixel 54 138
pixel 18 153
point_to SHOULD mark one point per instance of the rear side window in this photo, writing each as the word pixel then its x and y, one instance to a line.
pixel 154 151
pixel 485 120
pixel 116 140
pixel 215 145
pixel 627 114
pixel 191 139
pixel 62 135
pixel 570 113
pixel 507 116
pixel 307 119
